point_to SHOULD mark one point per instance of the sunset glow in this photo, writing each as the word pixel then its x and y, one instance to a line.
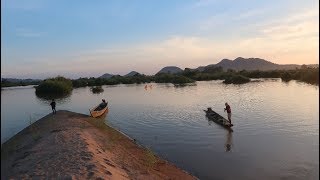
pixel 46 38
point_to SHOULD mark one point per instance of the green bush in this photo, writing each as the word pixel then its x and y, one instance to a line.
pixel 286 76
pixel 236 79
pixel 310 76
pixel 181 80
pixel 58 85
pixel 97 89
pixel 171 78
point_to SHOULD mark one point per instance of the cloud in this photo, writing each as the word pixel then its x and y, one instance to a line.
pixel 147 57
pixel 292 31
pixel 227 19
pixel 293 38
pixel 181 51
pixel 299 27
pixel 250 14
pixel 215 21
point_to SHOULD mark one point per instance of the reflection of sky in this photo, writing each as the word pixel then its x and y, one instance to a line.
pixel 276 125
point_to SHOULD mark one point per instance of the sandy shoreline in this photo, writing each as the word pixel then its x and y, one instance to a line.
pixel 69 145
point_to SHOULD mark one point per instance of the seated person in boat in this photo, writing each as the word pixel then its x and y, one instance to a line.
pixel 101 105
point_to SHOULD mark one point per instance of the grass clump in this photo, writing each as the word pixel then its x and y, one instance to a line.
pixel 151 158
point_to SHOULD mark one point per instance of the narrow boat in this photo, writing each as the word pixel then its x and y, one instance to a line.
pixel 99 110
pixel 217 118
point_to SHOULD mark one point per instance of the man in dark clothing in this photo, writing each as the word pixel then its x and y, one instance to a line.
pixel 53 106
pixel 102 105
pixel 228 111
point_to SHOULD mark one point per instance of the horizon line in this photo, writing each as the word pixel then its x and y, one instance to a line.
pixel 11 77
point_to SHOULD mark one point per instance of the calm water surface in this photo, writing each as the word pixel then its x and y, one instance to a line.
pixel 276 132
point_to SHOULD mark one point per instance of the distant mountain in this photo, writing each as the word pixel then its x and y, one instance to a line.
pixel 170 70
pixel 250 64
pixel 106 76
pixel 132 73
pixel 200 68
pixel 247 64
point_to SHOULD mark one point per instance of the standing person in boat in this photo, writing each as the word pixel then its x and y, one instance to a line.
pixel 228 109
pixel 53 106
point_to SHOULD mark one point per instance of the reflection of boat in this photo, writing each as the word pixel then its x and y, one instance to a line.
pixel 99 110
pixel 217 118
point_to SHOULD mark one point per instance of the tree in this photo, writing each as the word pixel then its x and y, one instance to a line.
pixel 304 66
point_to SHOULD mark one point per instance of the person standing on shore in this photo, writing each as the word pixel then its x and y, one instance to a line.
pixel 228 111
pixel 53 106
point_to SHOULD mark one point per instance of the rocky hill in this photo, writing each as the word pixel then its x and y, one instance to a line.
pixel 106 76
pixel 250 64
pixel 170 70
pixel 132 73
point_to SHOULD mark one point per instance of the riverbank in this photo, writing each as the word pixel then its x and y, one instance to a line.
pixel 69 145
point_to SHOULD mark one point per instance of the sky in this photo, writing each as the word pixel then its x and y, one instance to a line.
pixel 78 38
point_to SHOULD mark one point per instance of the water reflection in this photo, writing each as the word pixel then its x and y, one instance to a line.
pixel 228 143
pixel 285 129
pixel 47 98
pixel 184 85
pixel 146 87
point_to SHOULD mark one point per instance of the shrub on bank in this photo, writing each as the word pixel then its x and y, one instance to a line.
pixel 58 85
pixel 236 79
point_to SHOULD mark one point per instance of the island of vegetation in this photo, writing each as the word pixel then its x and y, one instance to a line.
pixel 97 89
pixel 236 79
pixel 58 85
pixel 69 145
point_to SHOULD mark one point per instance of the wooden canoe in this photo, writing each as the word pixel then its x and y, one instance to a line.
pixel 97 111
pixel 217 118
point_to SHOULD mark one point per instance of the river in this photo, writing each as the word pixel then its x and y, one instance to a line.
pixel 275 133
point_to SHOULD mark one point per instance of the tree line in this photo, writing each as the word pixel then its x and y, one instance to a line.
pixel 305 74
